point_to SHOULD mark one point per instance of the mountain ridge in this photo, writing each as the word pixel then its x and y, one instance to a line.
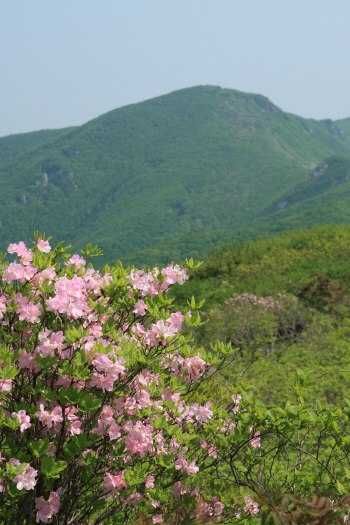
pixel 196 160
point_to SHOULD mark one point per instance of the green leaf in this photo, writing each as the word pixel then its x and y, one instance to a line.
pixel 72 395
pixel 89 403
pixel 46 362
pixel 11 423
pixel 119 449
pixel 341 488
pixel 8 372
pixel 76 445
pixel 99 504
pixel 39 448
pixel 50 468
pixel 81 357
pixel 49 394
pixel 160 422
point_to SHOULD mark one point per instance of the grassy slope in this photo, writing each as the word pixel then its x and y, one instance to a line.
pixel 284 265
pixel 196 160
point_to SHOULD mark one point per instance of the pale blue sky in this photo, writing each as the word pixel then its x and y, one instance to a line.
pixel 64 62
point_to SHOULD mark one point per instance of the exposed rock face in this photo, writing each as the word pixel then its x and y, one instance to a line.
pixel 265 103
pixel 44 179
pixel 305 126
pixel 23 199
pixel 282 205
pixel 320 170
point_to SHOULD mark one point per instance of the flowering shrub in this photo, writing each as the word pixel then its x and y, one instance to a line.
pixel 246 321
pixel 108 414
pixel 254 325
pixel 97 422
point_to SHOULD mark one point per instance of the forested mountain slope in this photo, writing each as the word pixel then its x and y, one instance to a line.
pixel 323 197
pixel 196 160
pixel 13 146
pixel 344 124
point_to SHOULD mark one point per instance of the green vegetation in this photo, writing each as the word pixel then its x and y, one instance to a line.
pixel 193 169
pixel 13 146
pixel 304 278
pixel 344 124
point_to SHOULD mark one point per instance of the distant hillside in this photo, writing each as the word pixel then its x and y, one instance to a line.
pixel 197 160
pixel 344 124
pixel 13 146
pixel 323 197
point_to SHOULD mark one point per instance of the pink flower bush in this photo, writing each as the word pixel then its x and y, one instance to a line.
pixel 96 383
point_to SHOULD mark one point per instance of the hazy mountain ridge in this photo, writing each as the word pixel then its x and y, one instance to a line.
pixel 197 160
pixel 12 146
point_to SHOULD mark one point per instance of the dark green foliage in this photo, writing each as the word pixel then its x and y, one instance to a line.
pixel 322 292
pixel 199 160
pixel 13 146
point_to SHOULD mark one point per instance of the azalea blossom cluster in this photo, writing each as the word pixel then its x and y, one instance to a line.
pixel 94 376
pixel 247 302
pixel 251 300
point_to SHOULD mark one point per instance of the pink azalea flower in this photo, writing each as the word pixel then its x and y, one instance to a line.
pixel 47 418
pixel 5 385
pixel 192 469
pixel 217 506
pixel 54 501
pixel 250 506
pixel 168 395
pixel 77 261
pixel 101 429
pixel 149 483
pixel 178 490
pixel 134 499
pixel 140 308
pixel 43 246
pixel 255 442
pixel 113 483
pixel 52 450
pixel 23 419
pixel 22 252
pixel 157 518
pixel 13 272
pixel 114 431
pixel 195 366
pixel 47 509
pixel 2 306
pixel 44 510
pixel 104 364
pixel 202 413
pixel 48 273
pixel 26 479
pixel 181 463
pixel 28 311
